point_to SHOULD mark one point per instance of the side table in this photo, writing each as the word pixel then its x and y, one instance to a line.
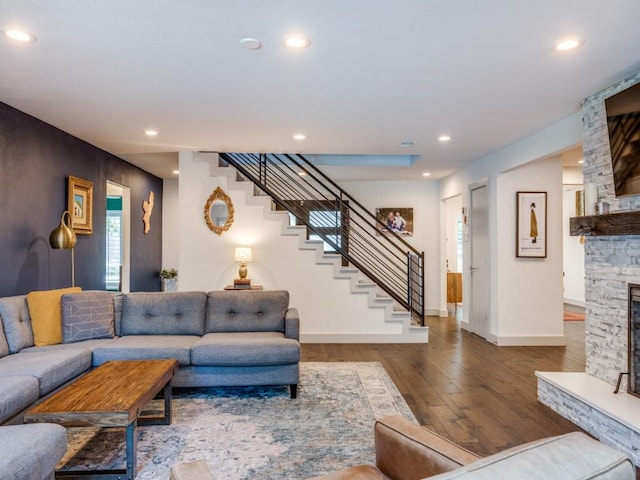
pixel 252 287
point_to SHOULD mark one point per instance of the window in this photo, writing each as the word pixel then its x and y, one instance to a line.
pixel 326 219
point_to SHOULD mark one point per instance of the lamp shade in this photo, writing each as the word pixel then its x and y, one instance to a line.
pixel 243 255
pixel 63 236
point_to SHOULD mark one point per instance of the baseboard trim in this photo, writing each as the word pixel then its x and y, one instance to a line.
pixel 572 301
pixel 532 341
pixel 433 312
pixel 418 335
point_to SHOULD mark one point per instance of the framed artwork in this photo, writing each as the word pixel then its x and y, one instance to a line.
pixel 80 204
pixel 398 220
pixel 531 224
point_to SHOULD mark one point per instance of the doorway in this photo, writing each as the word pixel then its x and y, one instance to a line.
pixel 117 268
pixel 479 269
pixel 453 252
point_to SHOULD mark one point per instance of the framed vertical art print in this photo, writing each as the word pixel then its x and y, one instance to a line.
pixel 79 204
pixel 531 224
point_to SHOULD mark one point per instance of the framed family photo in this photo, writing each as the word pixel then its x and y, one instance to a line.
pixel 397 219
pixel 79 204
pixel 531 224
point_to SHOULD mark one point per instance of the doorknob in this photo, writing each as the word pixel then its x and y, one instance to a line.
pixel 473 269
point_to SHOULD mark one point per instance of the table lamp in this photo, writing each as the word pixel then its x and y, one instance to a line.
pixel 243 255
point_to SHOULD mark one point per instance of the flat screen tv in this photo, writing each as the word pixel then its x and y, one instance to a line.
pixel 623 121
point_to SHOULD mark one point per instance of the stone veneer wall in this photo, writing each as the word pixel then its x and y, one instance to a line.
pixel 611 262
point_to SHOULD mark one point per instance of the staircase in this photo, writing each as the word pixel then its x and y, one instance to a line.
pixel 376 248
pixel 413 330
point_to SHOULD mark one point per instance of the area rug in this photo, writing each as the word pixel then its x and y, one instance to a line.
pixel 258 432
pixel 573 316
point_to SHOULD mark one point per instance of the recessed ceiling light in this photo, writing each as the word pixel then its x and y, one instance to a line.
pixel 444 138
pixel 407 144
pixel 426 174
pixel 151 133
pixel 18 35
pixel 296 41
pixel 299 136
pixel 568 44
pixel 250 43
pixel 176 172
pixel 580 162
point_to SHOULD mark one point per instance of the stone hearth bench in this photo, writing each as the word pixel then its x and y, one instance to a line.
pixel 220 338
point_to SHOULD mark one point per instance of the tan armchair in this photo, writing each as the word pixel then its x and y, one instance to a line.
pixel 406 451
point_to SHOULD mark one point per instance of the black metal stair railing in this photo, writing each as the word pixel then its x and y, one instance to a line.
pixel 329 212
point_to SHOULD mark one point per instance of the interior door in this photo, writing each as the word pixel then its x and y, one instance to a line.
pixel 479 269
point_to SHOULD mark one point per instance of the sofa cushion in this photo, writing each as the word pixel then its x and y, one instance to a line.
pixel 245 349
pixel 146 347
pixel 89 345
pixel 46 315
pixel 251 311
pixel 87 316
pixel 163 313
pixel 567 457
pixel 4 346
pixel 16 322
pixel 51 368
pixel 16 394
pixel 21 461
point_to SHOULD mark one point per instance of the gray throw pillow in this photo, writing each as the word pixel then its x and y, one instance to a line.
pixel 87 316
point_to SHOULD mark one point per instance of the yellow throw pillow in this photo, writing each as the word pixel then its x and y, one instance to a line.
pixel 46 315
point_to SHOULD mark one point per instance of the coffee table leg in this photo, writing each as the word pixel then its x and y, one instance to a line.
pixel 158 420
pixel 129 472
pixel 132 448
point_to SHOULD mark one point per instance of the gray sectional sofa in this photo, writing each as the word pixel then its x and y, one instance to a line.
pixel 220 338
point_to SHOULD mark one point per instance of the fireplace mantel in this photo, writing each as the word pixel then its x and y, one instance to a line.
pixel 619 223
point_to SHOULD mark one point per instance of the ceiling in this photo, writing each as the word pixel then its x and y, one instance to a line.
pixel 377 73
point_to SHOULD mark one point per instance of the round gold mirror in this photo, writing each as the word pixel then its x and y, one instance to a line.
pixel 218 211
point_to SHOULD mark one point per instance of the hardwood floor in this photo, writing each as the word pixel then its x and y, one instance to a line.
pixel 480 396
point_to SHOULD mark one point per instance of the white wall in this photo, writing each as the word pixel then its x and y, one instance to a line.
pixel 559 137
pixel 530 306
pixel 328 310
pixel 422 196
pixel 170 231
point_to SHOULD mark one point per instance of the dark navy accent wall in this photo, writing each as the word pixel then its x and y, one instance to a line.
pixel 35 161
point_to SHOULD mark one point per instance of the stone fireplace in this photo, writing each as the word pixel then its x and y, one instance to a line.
pixel 633 335
pixel 612 265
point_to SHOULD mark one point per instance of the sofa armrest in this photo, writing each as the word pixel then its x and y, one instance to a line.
pixel 406 451
pixel 292 324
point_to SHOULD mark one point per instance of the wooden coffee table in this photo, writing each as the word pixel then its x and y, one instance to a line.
pixel 112 395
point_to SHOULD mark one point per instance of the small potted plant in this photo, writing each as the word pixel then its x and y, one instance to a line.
pixel 169 279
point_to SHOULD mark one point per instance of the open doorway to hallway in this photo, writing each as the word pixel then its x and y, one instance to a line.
pixel 572 246
pixel 453 252
pixel 118 207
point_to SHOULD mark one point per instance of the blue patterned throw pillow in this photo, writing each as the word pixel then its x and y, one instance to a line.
pixel 87 316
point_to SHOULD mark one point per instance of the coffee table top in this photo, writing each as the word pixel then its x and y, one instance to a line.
pixel 112 395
